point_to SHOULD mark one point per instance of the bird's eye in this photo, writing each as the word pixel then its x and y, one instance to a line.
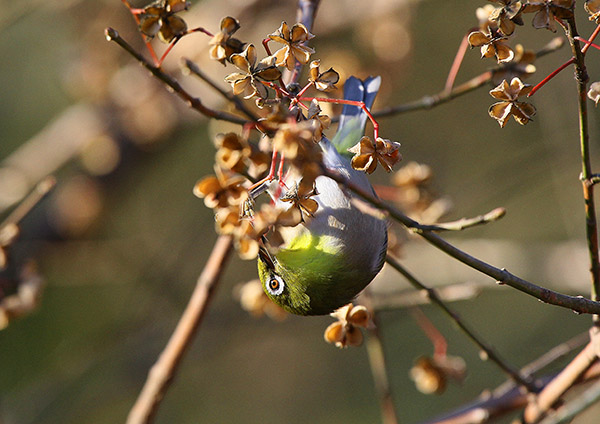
pixel 275 285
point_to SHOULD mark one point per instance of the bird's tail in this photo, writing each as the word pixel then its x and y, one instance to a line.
pixel 353 119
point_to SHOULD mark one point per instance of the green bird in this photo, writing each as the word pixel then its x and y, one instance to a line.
pixel 331 257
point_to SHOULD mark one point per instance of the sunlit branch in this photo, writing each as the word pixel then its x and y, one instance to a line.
pixel 173 84
pixel 465 223
pixel 239 103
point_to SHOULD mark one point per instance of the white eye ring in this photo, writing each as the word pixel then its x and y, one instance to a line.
pixel 275 285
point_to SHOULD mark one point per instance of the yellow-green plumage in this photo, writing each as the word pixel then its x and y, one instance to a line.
pixel 327 260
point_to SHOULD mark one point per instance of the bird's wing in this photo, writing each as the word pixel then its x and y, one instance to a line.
pixel 353 119
pixel 350 129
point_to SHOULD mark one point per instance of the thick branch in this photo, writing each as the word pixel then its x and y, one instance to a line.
pixel 560 384
pixel 163 371
pixel 570 410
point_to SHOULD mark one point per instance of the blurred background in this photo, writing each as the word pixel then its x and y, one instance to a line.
pixel 120 241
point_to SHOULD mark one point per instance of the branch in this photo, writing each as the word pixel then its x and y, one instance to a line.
pixel 239 104
pixel 378 366
pixel 560 384
pixel 507 397
pixel 502 276
pixel 305 14
pixel 409 298
pixel 428 102
pixel 571 409
pixel 465 223
pixel 173 84
pixel 489 352
pixel 591 226
pixel 40 191
pixel 163 371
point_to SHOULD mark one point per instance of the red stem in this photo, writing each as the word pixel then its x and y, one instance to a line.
pixel 588 43
pixel 584 49
pixel 549 77
pixel 265 44
pixel 348 102
pixel 460 54
pixel 440 345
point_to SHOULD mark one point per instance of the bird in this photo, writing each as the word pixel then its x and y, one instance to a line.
pixel 329 258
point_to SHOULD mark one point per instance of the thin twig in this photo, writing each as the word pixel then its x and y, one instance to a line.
pixel 39 192
pixel 465 223
pixel 428 102
pixel 409 298
pixel 502 276
pixel 378 366
pixel 514 374
pixel 458 59
pixel 162 373
pixel 173 84
pixel 239 103
pixel 560 384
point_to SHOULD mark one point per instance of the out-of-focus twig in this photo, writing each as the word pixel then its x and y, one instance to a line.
pixel 10 229
pixel 410 298
pixel 460 54
pixel 163 371
pixel 40 191
pixel 378 365
pixel 48 150
pixel 555 353
pixel 571 409
pixel 560 384
pixel 507 397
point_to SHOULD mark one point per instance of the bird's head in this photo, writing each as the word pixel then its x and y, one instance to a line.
pixel 282 285
pixel 308 280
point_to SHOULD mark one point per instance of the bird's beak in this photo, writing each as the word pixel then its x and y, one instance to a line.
pixel 265 257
